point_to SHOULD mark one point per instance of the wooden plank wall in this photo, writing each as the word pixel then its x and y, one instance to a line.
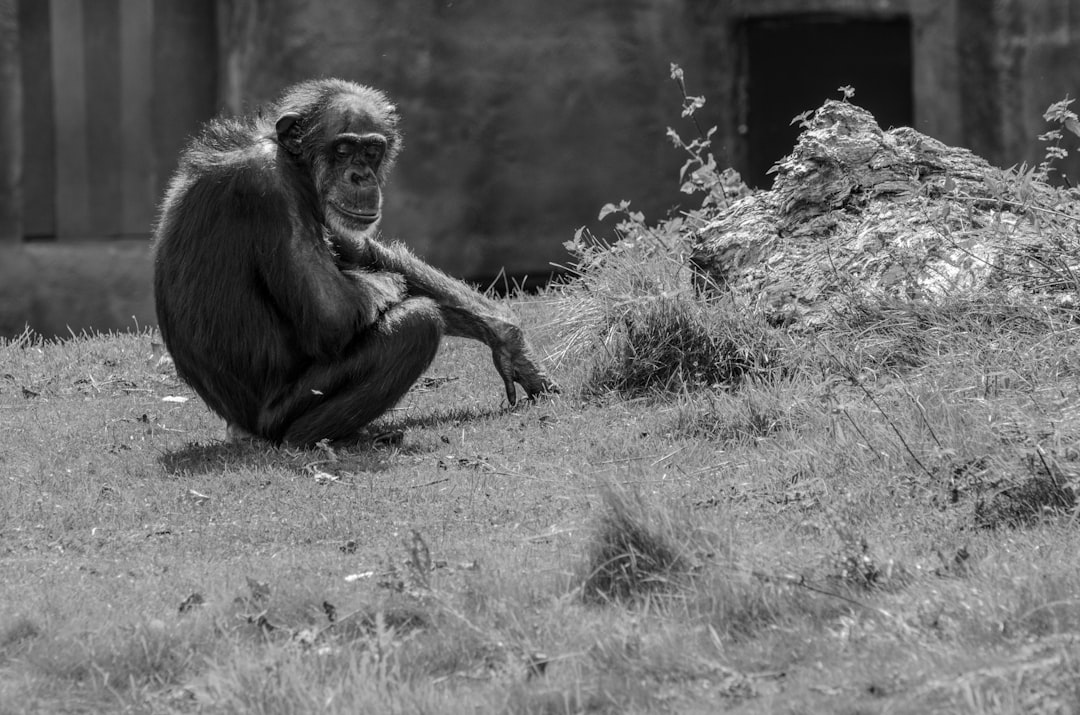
pixel 141 182
pixel 38 157
pixel 11 207
pixel 101 129
pixel 69 102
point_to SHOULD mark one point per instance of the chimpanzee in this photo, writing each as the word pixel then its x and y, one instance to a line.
pixel 279 305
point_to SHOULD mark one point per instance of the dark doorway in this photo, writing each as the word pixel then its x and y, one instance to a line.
pixel 797 62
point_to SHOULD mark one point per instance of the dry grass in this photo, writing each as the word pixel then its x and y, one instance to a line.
pixel 633 318
pixel 815 539
pixel 637 550
pixel 716 514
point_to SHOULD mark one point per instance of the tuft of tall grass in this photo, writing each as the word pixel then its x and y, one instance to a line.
pixel 897 336
pixel 16 635
pixel 672 344
pixel 658 558
pixel 636 550
pixel 631 318
pixel 112 670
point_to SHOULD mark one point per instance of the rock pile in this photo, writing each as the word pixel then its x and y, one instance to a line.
pixel 860 214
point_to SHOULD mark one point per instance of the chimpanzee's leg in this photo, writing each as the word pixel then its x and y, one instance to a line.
pixel 334 401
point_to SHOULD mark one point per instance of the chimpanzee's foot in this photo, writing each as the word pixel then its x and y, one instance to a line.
pixel 235 433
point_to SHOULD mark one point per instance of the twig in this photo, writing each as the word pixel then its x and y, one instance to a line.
pixel 1049 472
pixel 801 583
pixel 858 429
pixel 925 419
pixel 854 379
pixel 430 484
pixel 1017 204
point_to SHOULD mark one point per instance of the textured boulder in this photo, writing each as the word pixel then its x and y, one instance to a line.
pixel 860 214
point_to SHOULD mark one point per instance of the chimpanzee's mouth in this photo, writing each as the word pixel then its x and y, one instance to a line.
pixel 361 216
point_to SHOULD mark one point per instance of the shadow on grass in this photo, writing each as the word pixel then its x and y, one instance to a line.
pixel 198 458
pixel 371 452
pixel 452 415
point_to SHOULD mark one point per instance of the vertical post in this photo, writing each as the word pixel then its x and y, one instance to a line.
pixel 39 120
pixel 237 22
pixel 936 39
pixel 102 88
pixel 69 106
pixel 184 75
pixel 11 229
pixel 981 65
pixel 138 156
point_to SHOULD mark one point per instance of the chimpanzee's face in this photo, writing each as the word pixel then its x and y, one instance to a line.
pixel 349 145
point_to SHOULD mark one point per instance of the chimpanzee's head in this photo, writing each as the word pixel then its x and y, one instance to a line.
pixel 346 135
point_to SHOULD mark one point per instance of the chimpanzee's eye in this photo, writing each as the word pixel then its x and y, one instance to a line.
pixel 343 149
pixel 373 152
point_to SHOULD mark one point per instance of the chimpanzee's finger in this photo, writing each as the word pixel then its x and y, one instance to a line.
pixel 511 390
pixel 534 385
pixel 547 386
pixel 504 364
pixel 534 379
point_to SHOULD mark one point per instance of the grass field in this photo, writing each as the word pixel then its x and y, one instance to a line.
pixel 877 515
pixel 877 518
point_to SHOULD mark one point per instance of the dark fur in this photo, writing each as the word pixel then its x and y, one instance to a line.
pixel 284 313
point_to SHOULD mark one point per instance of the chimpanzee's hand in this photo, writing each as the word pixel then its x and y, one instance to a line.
pixel 515 363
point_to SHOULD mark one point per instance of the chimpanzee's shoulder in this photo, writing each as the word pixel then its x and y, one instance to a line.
pixel 227 143
pixel 225 134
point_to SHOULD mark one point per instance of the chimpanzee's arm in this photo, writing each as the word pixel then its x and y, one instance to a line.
pixel 466 312
pixel 326 306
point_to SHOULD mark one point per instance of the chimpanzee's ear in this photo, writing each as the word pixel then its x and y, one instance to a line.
pixel 289 132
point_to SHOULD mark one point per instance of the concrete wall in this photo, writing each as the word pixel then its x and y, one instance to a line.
pixel 60 289
pixel 1036 51
pixel 523 118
